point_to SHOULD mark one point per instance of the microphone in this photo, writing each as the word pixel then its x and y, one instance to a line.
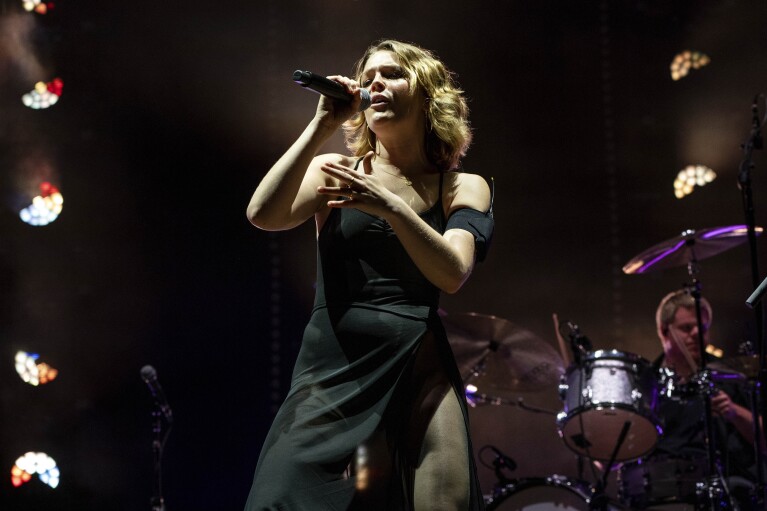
pixel 329 88
pixel 149 375
pixel 579 343
pixel 503 460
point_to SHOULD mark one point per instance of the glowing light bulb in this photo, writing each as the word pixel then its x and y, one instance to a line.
pixel 31 372
pixel 37 6
pixel 45 208
pixel 33 463
pixel 713 350
pixel 44 95
pixel 684 61
pixel 690 177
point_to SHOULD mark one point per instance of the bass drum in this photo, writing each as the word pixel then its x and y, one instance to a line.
pixel 553 493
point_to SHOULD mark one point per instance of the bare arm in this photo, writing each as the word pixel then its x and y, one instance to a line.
pixel 287 195
pixel 446 260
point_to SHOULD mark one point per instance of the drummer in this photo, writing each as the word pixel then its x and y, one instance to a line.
pixel 683 417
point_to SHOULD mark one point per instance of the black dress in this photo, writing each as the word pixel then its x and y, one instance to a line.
pixel 365 382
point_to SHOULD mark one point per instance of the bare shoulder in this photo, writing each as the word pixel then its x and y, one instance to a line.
pixel 464 190
pixel 317 161
pixel 341 159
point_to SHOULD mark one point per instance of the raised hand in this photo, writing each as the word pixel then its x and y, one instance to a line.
pixel 362 190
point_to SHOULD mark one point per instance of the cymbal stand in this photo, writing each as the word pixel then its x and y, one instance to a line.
pixel 713 488
pixel 477 370
pixel 744 183
pixel 600 501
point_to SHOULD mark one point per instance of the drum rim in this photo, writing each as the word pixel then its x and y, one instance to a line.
pixel 608 405
pixel 578 486
pixel 616 354
pixel 563 421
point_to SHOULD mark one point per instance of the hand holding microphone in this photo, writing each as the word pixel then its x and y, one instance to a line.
pixel 329 88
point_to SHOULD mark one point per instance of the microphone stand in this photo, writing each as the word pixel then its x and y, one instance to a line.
pixel 758 405
pixel 158 443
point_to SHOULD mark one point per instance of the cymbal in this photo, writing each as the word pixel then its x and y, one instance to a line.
pixel 745 365
pixel 493 354
pixel 689 246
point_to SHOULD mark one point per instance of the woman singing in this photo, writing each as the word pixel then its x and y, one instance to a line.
pixel 375 418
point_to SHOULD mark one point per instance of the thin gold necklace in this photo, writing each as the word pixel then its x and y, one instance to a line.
pixel 404 178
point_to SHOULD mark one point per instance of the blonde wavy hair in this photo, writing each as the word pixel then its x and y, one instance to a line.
pixel 448 133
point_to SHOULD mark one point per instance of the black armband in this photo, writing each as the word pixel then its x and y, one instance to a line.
pixel 479 224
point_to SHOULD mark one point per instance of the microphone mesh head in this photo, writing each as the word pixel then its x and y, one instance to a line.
pixel 148 373
pixel 366 102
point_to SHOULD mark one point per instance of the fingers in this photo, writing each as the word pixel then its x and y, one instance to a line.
pixel 351 85
pixel 367 162
pixel 344 175
pixel 721 404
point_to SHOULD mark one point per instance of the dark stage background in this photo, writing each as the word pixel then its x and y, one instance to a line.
pixel 172 112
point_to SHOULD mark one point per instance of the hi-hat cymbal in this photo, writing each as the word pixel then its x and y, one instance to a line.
pixel 495 355
pixel 690 246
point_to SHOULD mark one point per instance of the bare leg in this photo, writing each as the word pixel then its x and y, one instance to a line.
pixel 442 476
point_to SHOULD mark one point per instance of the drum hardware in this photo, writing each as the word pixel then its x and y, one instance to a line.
pixel 755 141
pixel 477 398
pixel 688 249
pixel 554 492
pixel 606 391
pixel 663 482
pixel 580 345
pixel 701 383
pixel 690 246
pixel 746 366
pixel 494 354
pixel 501 462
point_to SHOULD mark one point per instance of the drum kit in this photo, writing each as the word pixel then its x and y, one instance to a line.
pixel 609 416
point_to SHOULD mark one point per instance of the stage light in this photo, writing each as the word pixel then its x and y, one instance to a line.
pixel 44 95
pixel 690 177
pixel 714 351
pixel 35 463
pixel 363 468
pixel 37 6
pixel 32 372
pixel 45 208
pixel 683 62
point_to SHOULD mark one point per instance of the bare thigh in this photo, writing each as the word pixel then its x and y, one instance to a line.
pixel 442 475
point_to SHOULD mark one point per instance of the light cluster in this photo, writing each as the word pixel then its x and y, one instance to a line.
pixel 45 208
pixel 35 463
pixel 33 372
pixel 37 6
pixel 690 177
pixel 44 95
pixel 685 61
pixel 714 351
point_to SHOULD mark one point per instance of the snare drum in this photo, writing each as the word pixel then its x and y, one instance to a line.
pixel 601 394
pixel 553 493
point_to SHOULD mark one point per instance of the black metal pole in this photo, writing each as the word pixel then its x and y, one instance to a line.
pixel 759 404
pixel 157 502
